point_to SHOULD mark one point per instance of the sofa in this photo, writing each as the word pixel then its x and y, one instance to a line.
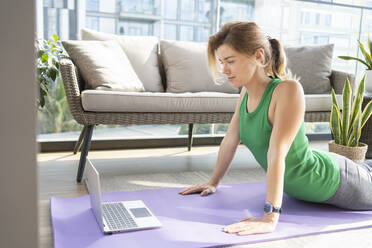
pixel 114 79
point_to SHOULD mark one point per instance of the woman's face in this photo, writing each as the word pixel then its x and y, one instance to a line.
pixel 239 68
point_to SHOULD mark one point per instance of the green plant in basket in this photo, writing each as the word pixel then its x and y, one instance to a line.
pixel 346 126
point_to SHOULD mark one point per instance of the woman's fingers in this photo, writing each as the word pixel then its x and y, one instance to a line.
pixel 234 228
pixel 205 189
pixel 190 190
pixel 205 192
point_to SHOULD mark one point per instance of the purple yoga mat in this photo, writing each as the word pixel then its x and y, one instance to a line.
pixel 194 221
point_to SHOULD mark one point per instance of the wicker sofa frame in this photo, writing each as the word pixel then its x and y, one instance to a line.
pixel 74 84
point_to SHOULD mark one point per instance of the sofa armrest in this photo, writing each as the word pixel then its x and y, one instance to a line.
pixel 73 84
pixel 338 79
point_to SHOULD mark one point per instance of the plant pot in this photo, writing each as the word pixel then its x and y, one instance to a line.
pixel 368 82
pixel 357 154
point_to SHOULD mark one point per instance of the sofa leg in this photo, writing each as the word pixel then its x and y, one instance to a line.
pixel 80 141
pixel 191 126
pixel 84 151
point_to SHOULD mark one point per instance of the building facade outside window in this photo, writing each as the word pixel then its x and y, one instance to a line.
pixel 293 22
pixel 59 17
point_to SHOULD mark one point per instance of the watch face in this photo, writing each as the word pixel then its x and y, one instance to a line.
pixel 268 208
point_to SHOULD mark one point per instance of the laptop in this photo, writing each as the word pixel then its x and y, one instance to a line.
pixel 113 217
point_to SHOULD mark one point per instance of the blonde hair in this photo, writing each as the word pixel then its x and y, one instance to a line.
pixel 246 38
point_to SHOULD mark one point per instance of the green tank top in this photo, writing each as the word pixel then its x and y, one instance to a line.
pixel 310 175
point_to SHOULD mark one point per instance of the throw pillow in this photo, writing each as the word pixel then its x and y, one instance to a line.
pixel 313 64
pixel 142 52
pixel 103 65
pixel 186 68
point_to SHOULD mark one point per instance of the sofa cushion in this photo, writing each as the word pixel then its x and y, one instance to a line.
pixel 142 52
pixel 320 102
pixel 313 65
pixel 103 64
pixel 186 69
pixel 111 101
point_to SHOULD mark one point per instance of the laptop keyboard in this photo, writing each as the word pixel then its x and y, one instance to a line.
pixel 117 216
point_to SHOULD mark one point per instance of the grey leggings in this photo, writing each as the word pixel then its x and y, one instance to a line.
pixel 355 189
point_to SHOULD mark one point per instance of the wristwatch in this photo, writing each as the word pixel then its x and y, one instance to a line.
pixel 268 208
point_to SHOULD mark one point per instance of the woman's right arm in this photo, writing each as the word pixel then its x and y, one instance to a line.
pixel 226 154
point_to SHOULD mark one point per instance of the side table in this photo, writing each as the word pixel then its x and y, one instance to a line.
pixel 366 135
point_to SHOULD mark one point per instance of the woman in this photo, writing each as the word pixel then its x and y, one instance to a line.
pixel 269 120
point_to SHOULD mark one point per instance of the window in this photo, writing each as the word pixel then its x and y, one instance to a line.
pixel 305 18
pixel 147 7
pixel 59 18
pixel 50 22
pixel 135 28
pixel 92 5
pixel 188 10
pixel 203 10
pixel 341 41
pixel 202 34
pixel 187 33
pixel 170 32
pixel 92 22
pixel 321 39
pixel 170 9
pixel 236 10
pixel 314 39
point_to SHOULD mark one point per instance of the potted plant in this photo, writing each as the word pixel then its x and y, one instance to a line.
pixel 367 54
pixel 48 54
pixel 346 126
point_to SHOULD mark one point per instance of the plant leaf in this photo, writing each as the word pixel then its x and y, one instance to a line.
pixel 44 58
pixel 369 45
pixel 366 55
pixel 335 123
pixel 55 37
pixel 57 65
pixel 53 48
pixel 358 99
pixel 53 73
pixel 353 58
pixel 41 97
pixel 367 112
pixel 334 99
pixel 346 100
pixel 40 53
pixel 356 129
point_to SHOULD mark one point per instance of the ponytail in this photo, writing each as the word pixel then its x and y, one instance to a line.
pixel 278 62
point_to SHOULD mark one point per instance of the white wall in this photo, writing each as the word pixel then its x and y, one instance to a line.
pixel 18 175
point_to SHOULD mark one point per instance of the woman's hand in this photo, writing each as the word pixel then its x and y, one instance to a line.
pixel 252 225
pixel 203 189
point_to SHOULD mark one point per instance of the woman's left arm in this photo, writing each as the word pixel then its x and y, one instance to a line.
pixel 288 116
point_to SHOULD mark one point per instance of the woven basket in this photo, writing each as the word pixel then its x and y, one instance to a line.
pixel 357 154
